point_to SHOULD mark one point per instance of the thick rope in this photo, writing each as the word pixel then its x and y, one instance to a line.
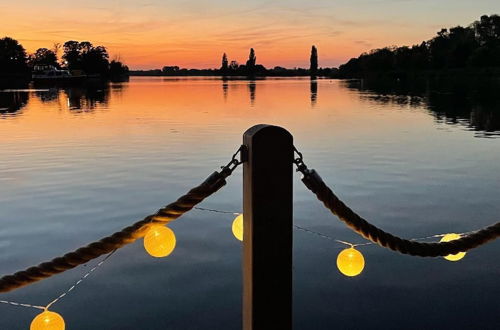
pixel 118 239
pixel 314 182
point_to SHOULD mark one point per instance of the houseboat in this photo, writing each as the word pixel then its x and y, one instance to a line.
pixel 49 73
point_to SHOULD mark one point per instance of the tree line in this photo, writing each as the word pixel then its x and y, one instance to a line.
pixel 473 47
pixel 77 56
pixel 250 69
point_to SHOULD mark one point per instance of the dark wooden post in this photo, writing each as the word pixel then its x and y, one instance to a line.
pixel 267 228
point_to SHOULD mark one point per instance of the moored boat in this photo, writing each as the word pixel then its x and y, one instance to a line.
pixel 49 73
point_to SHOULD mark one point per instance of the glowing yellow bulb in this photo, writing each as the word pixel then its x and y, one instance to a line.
pixel 238 227
pixel 159 241
pixel 452 237
pixel 350 262
pixel 47 321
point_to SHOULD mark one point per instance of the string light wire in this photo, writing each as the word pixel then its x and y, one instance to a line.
pixel 216 211
pixel 21 305
pixel 71 288
pixel 99 264
pixel 62 295
pixel 324 236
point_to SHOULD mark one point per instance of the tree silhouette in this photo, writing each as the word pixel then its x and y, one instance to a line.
pixel 233 66
pixel 95 60
pixel 313 70
pixel 43 56
pixel 252 59
pixel 170 70
pixel 56 47
pixel 225 64
pixel 487 31
pixel 477 45
pixel 117 69
pixel 71 56
pixel 84 56
pixel 12 56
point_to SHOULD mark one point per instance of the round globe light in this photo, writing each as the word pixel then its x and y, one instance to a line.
pixel 238 227
pixel 452 237
pixel 47 320
pixel 350 262
pixel 159 241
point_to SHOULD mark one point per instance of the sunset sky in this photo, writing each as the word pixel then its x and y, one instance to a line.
pixel 149 34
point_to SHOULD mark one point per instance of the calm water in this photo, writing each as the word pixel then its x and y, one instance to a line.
pixel 79 164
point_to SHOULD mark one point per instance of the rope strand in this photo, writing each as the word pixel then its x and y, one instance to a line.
pixel 118 239
pixel 314 183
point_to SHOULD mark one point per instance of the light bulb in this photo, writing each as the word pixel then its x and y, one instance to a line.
pixel 159 241
pixel 47 320
pixel 238 227
pixel 350 262
pixel 452 237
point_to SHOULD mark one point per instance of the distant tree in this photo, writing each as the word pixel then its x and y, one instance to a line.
pixel 12 56
pixel 252 59
pixel 170 69
pixel 279 69
pixel 225 65
pixel 72 57
pixel 313 69
pixel 233 66
pixel 95 59
pixel 420 56
pixel 454 48
pixel 117 68
pixel 439 47
pixel 463 43
pixel 56 47
pixel 260 70
pixel 487 30
pixel 43 56
pixel 85 56
pixel 85 46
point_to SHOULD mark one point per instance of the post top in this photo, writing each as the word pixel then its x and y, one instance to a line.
pixel 265 129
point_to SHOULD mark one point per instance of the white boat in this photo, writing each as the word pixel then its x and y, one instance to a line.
pixel 50 73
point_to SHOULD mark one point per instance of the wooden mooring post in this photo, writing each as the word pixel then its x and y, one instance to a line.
pixel 267 228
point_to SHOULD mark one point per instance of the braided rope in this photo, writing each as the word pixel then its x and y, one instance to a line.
pixel 118 239
pixel 314 183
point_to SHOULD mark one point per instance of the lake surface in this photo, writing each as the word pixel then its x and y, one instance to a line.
pixel 78 164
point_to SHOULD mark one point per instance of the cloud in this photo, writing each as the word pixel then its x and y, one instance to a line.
pixel 363 43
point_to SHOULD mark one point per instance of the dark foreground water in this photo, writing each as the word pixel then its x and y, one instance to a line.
pixel 78 164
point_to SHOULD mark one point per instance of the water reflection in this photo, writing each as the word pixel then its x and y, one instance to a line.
pixel 86 99
pixel 475 107
pixel 85 175
pixel 76 99
pixel 314 92
pixel 12 102
pixel 225 88
pixel 251 89
pixel 47 95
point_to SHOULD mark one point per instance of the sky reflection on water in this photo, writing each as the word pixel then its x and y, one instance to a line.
pixel 78 164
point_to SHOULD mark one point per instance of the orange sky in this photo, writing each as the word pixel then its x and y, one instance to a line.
pixel 153 33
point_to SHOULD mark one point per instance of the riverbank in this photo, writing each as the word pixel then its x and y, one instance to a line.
pixel 452 80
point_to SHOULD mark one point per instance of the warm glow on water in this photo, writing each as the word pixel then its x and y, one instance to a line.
pixel 79 164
